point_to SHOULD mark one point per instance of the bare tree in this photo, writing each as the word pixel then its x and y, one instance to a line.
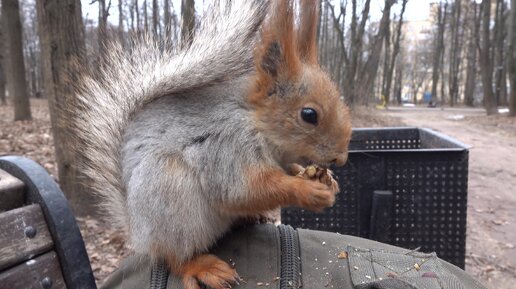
pixel 145 17
pixel 15 66
pixel 155 18
pixel 369 70
pixel 170 22
pixel 386 61
pixel 62 45
pixel 398 81
pixel 357 35
pixel 102 29
pixel 391 62
pixel 167 19
pixel 420 66
pixel 175 25
pixel 137 11
pixel 121 22
pixel 439 49
pixel 486 60
pixel 31 46
pixel 511 58
pixel 3 100
pixel 349 57
pixel 500 69
pixel 188 18
pixel 323 33
pixel 342 60
pixel 455 52
pixel 353 55
pixel 131 17
pixel 473 43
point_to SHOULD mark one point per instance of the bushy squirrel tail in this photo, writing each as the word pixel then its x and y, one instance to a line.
pixel 221 49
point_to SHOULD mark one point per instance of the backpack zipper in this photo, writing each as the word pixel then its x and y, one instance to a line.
pixel 159 275
pixel 290 275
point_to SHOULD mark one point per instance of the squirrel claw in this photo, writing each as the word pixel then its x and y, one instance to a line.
pixel 211 271
pixel 316 196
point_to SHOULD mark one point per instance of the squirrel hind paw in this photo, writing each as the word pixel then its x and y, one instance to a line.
pixel 209 270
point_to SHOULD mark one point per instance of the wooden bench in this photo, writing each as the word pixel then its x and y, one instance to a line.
pixel 40 243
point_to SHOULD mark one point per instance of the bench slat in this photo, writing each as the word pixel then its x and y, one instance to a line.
pixel 16 244
pixel 36 273
pixel 11 192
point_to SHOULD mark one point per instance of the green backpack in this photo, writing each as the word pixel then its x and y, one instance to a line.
pixel 280 257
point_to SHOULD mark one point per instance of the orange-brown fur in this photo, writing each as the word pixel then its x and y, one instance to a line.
pixel 307 85
pixel 272 188
pixel 308 31
pixel 208 269
pixel 287 79
pixel 294 68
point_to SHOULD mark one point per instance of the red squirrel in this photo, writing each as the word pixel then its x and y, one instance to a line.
pixel 181 144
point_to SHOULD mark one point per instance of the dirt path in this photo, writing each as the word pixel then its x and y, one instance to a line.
pixel 491 241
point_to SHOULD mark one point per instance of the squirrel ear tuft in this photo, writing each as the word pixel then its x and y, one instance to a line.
pixel 277 55
pixel 307 33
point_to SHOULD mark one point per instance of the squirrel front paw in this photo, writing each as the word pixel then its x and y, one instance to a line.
pixel 315 196
pixel 210 270
pixel 325 176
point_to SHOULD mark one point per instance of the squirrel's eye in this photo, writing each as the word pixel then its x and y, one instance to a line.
pixel 309 115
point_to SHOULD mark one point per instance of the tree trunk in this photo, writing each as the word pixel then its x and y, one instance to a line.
pixel 32 72
pixel 398 83
pixel 131 15
pixel 145 17
pixel 17 85
pixel 395 53
pixel 155 18
pixel 352 93
pixel 340 56
pixel 369 71
pixel 3 100
pixel 486 60
pixel 175 26
pixel 500 75
pixel 102 29
pixel 188 17
pixel 442 72
pixel 121 22
pixel 471 70
pixel 167 20
pixel 62 44
pixel 137 11
pixel 386 60
pixel 511 59
pixel 455 53
pixel 439 50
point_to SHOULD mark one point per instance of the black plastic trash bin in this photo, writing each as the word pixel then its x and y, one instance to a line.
pixel 402 186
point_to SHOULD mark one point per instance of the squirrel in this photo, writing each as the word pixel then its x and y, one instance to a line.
pixel 183 143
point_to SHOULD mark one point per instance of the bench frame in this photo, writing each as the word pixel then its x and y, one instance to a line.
pixel 40 188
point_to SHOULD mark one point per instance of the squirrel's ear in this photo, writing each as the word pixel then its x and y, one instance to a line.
pixel 307 33
pixel 277 56
pixel 270 60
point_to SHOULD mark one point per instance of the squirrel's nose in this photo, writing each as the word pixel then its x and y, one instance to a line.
pixel 341 159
